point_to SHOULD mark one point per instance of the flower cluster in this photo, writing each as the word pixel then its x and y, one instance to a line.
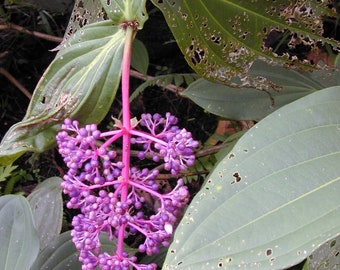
pixel 114 204
pixel 175 146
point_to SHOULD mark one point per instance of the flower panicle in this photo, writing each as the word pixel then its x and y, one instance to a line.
pixel 93 183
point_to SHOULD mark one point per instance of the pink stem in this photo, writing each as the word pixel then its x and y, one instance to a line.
pixel 126 147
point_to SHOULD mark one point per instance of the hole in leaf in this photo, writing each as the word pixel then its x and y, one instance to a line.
pixel 269 251
pixel 220 265
pixel 332 244
pixel 198 56
pixel 173 251
pixel 237 178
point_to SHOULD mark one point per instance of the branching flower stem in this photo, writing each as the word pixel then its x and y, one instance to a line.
pixel 130 34
pixel 110 191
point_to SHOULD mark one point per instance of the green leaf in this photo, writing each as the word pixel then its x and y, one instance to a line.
pixel 61 254
pixel 18 237
pixel 80 83
pixel 251 104
pixel 6 172
pixel 84 12
pixel 163 81
pixel 47 207
pixel 326 256
pixel 140 57
pixel 274 198
pixel 120 11
pixel 220 39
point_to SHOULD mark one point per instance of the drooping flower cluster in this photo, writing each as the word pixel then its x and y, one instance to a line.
pixel 114 205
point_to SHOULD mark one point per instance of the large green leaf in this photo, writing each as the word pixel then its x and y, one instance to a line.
pixel 19 240
pixel 247 104
pixel 220 38
pixel 61 254
pixel 80 83
pixel 274 198
pixel 47 207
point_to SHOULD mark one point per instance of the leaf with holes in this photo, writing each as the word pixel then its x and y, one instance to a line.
pixel 274 198
pixel 247 104
pixel 80 83
pixel 18 237
pixel 327 256
pixel 220 39
pixel 130 11
pixel 84 12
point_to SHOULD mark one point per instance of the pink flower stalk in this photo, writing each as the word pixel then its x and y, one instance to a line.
pixel 109 191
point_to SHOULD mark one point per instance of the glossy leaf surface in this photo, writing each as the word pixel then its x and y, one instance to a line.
pixel 274 198
pixel 249 104
pixel 220 39
pixel 47 207
pixel 80 83
pixel 18 237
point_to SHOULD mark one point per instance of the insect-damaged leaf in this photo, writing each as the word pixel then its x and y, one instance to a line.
pixel 120 11
pixel 220 39
pixel 325 257
pixel 273 199
pixel 80 83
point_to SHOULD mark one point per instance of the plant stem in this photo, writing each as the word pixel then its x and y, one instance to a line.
pixel 33 33
pixel 15 82
pixel 126 147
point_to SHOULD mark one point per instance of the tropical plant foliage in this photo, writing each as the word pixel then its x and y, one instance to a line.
pixel 271 201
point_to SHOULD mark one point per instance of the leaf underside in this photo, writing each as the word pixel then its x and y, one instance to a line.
pixel 274 198
pixel 247 104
